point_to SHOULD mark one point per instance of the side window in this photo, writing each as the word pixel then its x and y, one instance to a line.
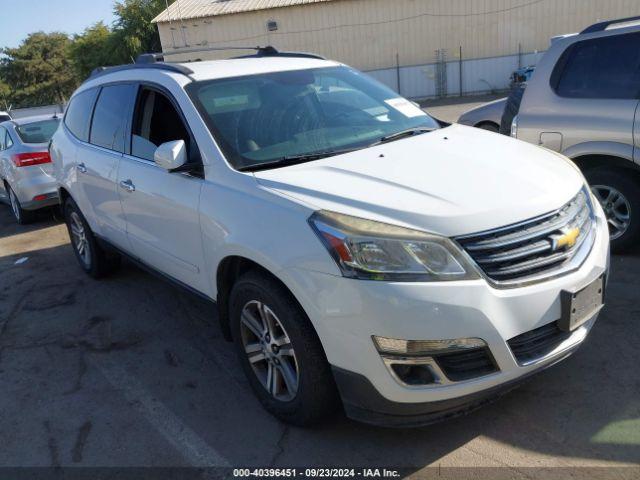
pixel 607 67
pixel 107 127
pixel 155 122
pixel 3 136
pixel 8 143
pixel 79 113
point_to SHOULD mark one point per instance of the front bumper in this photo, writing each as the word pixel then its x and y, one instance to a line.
pixel 347 313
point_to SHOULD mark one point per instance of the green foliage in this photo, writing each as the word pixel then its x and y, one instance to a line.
pixel 91 49
pixel 134 32
pixel 38 72
pixel 47 67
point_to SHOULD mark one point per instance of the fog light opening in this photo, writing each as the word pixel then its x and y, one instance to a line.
pixel 413 374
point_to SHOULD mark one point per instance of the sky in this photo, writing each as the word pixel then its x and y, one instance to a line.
pixel 21 17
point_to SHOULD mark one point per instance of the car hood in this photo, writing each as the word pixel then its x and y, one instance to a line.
pixel 452 181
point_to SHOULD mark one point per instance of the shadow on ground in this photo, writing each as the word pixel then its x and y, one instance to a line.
pixel 130 371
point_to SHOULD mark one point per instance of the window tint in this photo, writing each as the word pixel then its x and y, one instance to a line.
pixel 155 122
pixel 38 132
pixel 8 143
pixel 262 118
pixel 601 68
pixel 107 128
pixel 79 114
pixel 3 134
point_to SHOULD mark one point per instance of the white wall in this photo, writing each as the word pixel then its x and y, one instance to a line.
pixel 478 76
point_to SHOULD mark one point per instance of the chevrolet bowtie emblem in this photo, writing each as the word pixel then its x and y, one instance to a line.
pixel 567 240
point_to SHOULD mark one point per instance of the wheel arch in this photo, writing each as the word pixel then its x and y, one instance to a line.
pixel 481 123
pixel 592 161
pixel 229 270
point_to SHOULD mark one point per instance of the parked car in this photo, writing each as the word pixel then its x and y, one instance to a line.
pixel 357 249
pixel 489 116
pixel 26 173
pixel 4 116
pixel 584 102
pixel 486 116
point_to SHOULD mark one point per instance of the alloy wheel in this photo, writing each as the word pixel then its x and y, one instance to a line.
pixel 616 207
pixel 15 206
pixel 79 239
pixel 269 350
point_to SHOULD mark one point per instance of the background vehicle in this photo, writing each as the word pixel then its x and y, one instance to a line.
pixel 487 116
pixel 583 102
pixel 490 115
pixel 347 237
pixel 26 173
pixel 4 116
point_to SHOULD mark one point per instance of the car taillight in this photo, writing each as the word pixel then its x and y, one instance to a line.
pixel 31 158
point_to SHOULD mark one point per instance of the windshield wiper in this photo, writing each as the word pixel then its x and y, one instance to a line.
pixel 409 132
pixel 293 160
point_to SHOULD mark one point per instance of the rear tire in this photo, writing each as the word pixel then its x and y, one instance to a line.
pixel 618 191
pixel 301 389
pixel 489 126
pixel 94 260
pixel 22 216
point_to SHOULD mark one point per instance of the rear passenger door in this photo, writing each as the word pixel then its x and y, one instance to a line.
pixel 98 161
pixel 597 82
pixel 161 207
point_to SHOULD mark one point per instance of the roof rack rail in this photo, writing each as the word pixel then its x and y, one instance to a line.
pixel 601 26
pixel 170 67
pixel 266 51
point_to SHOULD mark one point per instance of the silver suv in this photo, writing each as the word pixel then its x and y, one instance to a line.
pixel 583 101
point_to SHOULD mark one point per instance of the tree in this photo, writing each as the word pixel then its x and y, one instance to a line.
pixel 91 49
pixel 38 72
pixel 133 31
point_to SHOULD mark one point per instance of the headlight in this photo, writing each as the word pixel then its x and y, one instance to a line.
pixel 377 251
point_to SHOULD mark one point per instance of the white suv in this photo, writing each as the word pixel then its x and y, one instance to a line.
pixel 357 248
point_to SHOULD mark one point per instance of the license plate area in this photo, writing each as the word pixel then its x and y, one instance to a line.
pixel 580 305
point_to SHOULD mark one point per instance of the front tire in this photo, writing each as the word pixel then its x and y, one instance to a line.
pixel 280 352
pixel 93 259
pixel 619 195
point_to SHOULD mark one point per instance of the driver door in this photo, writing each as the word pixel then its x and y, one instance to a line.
pixel 161 208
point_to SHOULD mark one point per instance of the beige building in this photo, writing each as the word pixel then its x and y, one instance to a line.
pixel 421 47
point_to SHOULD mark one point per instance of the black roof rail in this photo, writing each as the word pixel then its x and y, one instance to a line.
pixel 169 67
pixel 601 26
pixel 266 51
pixel 270 51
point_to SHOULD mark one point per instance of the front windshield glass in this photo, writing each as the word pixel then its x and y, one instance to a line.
pixel 271 117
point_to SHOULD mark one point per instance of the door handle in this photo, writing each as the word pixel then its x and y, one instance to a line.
pixel 128 186
pixel 81 167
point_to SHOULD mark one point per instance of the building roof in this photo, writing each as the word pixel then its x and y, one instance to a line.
pixel 189 9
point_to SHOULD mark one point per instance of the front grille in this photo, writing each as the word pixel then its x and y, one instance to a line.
pixel 535 246
pixel 466 364
pixel 537 343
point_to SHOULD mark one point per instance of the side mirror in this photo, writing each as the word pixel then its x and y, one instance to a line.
pixel 171 155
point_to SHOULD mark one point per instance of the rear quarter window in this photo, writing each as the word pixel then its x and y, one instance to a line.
pixel 604 68
pixel 78 116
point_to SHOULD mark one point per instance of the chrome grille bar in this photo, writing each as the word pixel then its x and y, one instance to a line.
pixel 532 247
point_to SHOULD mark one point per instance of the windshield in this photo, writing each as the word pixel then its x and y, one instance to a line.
pixel 267 118
pixel 38 132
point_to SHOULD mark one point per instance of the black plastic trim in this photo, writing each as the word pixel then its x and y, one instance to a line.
pixel 601 26
pixel 169 67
